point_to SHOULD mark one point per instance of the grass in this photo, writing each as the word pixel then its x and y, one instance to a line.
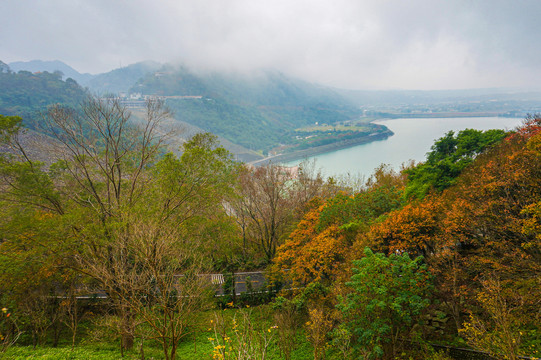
pixel 107 347
pixel 89 352
pixel 111 352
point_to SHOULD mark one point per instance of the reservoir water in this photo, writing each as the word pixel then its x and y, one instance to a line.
pixel 412 139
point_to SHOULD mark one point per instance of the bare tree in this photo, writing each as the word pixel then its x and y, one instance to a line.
pixel 102 177
pixel 268 205
pixel 272 197
pixel 164 289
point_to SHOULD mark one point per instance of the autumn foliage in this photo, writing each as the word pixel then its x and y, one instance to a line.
pixel 310 255
pixel 322 246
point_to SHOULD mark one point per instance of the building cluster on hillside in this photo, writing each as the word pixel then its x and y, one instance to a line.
pixel 138 100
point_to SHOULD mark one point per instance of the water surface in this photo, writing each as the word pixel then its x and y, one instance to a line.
pixel 412 139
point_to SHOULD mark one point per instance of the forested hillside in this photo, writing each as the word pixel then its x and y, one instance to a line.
pixel 109 250
pixel 264 111
pixel 28 94
pixel 475 229
pixel 258 111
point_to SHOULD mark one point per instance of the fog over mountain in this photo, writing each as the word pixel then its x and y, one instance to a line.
pixel 419 44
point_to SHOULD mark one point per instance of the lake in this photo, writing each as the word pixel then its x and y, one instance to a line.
pixel 412 139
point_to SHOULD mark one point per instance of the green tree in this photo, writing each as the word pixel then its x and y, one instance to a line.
pixel 30 266
pixel 448 157
pixel 387 296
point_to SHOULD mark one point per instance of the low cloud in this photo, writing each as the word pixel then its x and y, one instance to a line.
pixel 419 44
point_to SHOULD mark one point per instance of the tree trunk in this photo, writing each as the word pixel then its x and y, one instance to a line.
pixel 57 329
pixel 127 340
pixel 127 329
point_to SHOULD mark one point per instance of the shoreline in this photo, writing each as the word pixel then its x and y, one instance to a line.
pixel 318 150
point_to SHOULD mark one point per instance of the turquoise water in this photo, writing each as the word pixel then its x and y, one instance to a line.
pixel 412 139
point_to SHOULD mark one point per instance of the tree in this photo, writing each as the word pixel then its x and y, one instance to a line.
pixel 31 268
pixel 484 225
pixel 499 333
pixel 271 196
pixel 413 229
pixel 163 289
pixel 268 205
pixel 387 296
pixel 100 181
pixel 495 196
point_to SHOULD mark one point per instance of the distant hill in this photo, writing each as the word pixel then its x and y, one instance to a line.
pixel 4 67
pixel 51 66
pixel 122 79
pixel 112 82
pixel 27 95
pixel 257 111
pixel 410 97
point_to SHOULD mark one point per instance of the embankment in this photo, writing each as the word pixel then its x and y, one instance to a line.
pixel 302 154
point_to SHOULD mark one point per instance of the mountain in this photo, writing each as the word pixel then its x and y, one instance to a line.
pixel 50 66
pixel 122 79
pixel 258 111
pixel 115 81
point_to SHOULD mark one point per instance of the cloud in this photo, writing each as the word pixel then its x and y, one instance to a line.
pixel 345 43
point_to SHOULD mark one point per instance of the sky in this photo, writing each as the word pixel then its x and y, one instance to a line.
pixel 355 44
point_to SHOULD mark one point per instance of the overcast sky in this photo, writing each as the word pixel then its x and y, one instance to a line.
pixel 360 44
